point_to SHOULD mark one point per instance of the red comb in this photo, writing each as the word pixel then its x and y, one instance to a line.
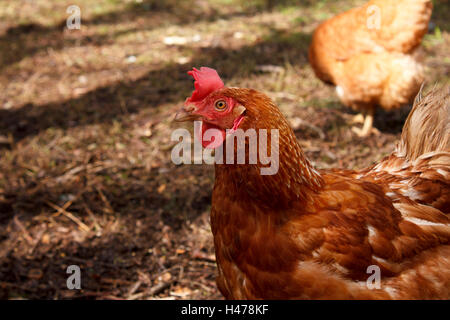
pixel 206 81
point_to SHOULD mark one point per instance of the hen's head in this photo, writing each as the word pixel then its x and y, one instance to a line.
pixel 212 104
pixel 227 109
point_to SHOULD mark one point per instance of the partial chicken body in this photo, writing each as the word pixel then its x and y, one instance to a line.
pixel 304 233
pixel 369 54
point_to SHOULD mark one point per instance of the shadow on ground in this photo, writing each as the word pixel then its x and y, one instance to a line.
pixel 166 85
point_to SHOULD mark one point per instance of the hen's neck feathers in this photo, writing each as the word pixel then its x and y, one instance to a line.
pixel 296 178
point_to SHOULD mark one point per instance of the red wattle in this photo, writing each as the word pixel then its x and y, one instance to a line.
pixel 216 134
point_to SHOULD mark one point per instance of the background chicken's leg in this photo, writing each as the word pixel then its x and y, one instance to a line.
pixel 359 118
pixel 367 127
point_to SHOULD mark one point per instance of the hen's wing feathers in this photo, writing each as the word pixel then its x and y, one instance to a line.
pixel 354 224
pixel 424 180
pixel 394 214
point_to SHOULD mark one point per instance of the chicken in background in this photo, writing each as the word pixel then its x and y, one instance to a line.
pixel 303 233
pixel 369 54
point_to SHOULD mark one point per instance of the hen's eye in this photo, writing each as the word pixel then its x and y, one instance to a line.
pixel 220 105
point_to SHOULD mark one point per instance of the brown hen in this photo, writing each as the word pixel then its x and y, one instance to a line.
pixel 369 54
pixel 303 233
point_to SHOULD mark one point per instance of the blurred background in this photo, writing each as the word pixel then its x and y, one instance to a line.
pixel 85 122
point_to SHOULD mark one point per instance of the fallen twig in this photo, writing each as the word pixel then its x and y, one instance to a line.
pixel 109 208
pixel 26 235
pixel 133 288
pixel 159 288
pixel 97 226
pixel 203 256
pixel 69 215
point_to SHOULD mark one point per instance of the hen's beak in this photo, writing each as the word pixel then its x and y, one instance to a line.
pixel 186 114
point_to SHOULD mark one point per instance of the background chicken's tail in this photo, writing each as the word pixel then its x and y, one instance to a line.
pixel 403 23
pixel 427 128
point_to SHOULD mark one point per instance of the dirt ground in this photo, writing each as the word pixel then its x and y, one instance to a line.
pixel 85 122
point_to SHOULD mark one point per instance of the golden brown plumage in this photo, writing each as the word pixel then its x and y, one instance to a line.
pixel 418 168
pixel 304 233
pixel 369 54
pixel 312 234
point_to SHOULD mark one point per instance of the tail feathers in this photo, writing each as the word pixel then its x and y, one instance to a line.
pixel 403 23
pixel 427 128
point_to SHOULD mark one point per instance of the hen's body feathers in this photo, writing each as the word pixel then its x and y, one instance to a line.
pixel 307 234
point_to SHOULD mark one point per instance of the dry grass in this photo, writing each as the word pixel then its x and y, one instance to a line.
pixel 85 170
